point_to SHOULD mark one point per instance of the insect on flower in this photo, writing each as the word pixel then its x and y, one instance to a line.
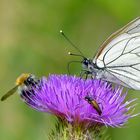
pixel 63 96
pixel 118 58
pixel 24 81
pixel 94 104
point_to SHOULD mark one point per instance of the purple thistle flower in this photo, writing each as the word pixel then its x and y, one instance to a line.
pixel 64 96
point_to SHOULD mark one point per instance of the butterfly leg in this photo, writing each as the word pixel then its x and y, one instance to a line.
pixel 82 73
pixel 87 73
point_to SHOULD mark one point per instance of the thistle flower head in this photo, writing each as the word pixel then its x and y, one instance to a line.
pixel 66 97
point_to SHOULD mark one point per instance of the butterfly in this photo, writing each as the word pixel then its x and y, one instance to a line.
pixel 118 58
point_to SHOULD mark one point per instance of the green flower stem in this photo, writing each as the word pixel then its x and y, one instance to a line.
pixel 67 131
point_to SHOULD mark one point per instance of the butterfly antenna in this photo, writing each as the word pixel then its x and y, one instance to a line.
pixel 64 35
pixel 69 53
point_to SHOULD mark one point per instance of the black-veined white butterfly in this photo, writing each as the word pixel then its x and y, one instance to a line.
pixel 118 59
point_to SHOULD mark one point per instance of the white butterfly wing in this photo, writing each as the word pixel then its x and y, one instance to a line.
pixel 120 55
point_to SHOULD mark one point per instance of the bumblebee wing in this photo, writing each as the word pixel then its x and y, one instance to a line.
pixel 9 93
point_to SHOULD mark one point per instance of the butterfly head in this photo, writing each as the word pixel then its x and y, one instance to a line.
pixel 89 66
pixel 86 63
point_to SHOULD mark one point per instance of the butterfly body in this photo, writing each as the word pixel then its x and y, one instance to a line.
pixel 100 73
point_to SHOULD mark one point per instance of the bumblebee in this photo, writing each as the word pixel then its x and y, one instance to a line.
pixel 94 104
pixel 24 81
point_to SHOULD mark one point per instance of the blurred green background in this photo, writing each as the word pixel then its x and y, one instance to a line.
pixel 30 42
